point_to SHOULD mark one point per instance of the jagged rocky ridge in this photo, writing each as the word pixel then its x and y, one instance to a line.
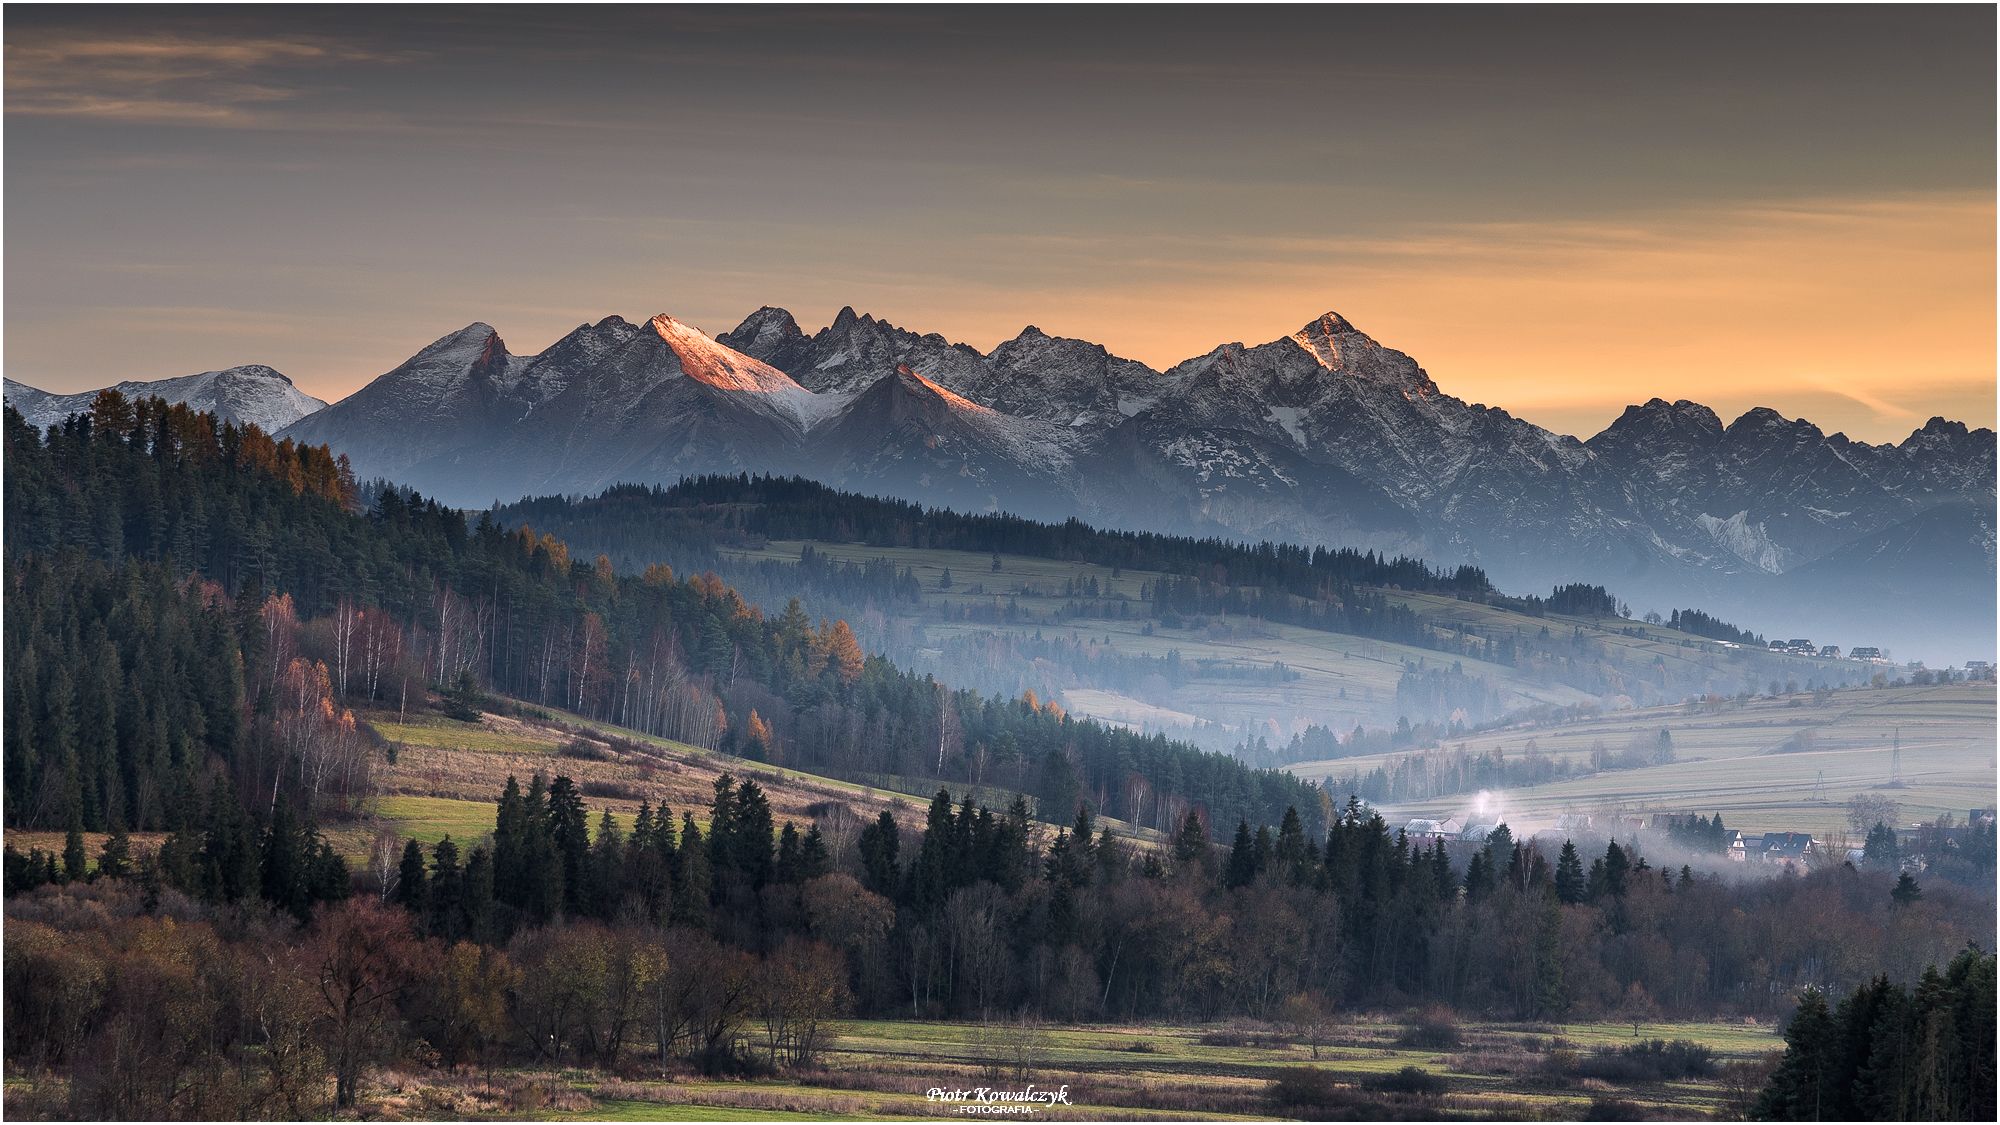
pixel 252 393
pixel 1323 436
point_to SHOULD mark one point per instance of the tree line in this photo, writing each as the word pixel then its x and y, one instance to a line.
pixel 1890 1053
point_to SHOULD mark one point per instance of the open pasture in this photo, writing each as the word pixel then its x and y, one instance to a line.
pixel 881 1070
pixel 1758 763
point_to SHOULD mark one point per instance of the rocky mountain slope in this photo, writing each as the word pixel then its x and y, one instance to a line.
pixel 252 393
pixel 1322 436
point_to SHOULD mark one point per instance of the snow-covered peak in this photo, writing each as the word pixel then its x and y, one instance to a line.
pixel 1322 338
pixel 1657 417
pixel 706 361
pixel 1763 421
pixel 466 344
pixel 767 327
pixel 913 380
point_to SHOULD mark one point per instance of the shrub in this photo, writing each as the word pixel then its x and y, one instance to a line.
pixel 615 790
pixel 1655 1060
pixel 1616 1109
pixel 584 749
pixel 1409 1080
pixel 1305 1087
pixel 1434 1026
pixel 1234 1037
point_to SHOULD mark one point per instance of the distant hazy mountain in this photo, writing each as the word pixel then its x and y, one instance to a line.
pixel 1323 436
pixel 252 393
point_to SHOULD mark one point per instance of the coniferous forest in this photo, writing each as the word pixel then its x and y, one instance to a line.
pixel 196 612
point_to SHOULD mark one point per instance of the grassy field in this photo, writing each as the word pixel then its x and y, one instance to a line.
pixel 448 774
pixel 882 1069
pixel 1758 763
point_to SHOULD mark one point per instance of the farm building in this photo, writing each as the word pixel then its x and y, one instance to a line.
pixel 1428 832
pixel 1476 833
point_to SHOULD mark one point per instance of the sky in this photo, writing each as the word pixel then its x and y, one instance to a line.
pixel 1560 211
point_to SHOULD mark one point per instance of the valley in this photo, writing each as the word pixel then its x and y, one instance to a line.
pixel 1791 763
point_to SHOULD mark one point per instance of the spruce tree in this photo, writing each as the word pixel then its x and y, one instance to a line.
pixel 878 845
pixel 476 915
pixel 1570 885
pixel 447 893
pixel 786 870
pixel 1799 1089
pixel 1191 844
pixel 607 869
pixel 569 831
pixel 412 882
pixel 76 861
pixel 1241 870
pixel 754 834
pixel 115 860
pixel 1551 993
pixel 815 859
pixel 691 876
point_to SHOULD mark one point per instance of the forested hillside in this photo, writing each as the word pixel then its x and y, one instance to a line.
pixel 279 604
pixel 1170 633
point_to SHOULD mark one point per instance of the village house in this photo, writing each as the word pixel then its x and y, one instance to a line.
pixel 1476 833
pixel 1428 832
pixel 1791 849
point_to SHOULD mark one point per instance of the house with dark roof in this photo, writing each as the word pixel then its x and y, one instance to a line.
pixel 1787 848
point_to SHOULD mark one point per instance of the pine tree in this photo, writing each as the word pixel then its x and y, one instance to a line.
pixel 476 918
pixel 1241 869
pixel 76 861
pixel 691 876
pixel 722 849
pixel 1881 850
pixel 1551 993
pixel 447 893
pixel 815 859
pixel 1478 877
pixel 1906 891
pixel 1616 867
pixel 1191 844
pixel 1292 854
pixel 606 872
pixel 1570 885
pixel 878 845
pixel 787 869
pixel 412 883
pixel 115 860
pixel 754 834
pixel 569 831
pixel 286 865
pixel 1798 1090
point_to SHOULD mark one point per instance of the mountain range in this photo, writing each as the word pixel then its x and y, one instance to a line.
pixel 1324 436
pixel 252 393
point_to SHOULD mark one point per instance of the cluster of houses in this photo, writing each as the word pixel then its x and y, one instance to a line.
pixel 1796 850
pixel 1801 646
